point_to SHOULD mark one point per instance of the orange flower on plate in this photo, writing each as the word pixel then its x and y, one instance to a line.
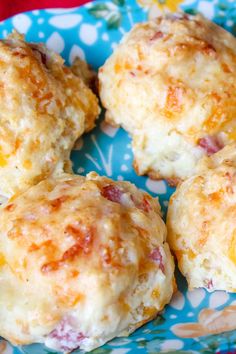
pixel 209 322
pixel 157 7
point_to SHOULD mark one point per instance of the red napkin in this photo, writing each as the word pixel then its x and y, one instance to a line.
pixel 12 7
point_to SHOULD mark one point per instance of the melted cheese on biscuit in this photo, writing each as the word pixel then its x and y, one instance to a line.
pixel 82 260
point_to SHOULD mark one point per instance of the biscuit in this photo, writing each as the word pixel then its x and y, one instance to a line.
pixel 82 260
pixel 44 108
pixel 201 223
pixel 171 84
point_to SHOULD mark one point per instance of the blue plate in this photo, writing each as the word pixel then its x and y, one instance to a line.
pixel 91 32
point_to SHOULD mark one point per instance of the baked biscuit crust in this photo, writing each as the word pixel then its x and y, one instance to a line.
pixel 171 84
pixel 82 260
pixel 44 109
pixel 201 223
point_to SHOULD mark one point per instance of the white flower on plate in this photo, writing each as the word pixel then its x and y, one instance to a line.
pixel 158 187
pixel 75 52
pixel 218 298
pixel 55 42
pixel 196 296
pixel 207 8
pixel 22 23
pixel 88 34
pixel 65 21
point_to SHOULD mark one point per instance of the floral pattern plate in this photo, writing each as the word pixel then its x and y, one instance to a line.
pixel 196 321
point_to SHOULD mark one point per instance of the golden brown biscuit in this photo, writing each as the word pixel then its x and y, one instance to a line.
pixel 44 108
pixel 171 84
pixel 201 223
pixel 82 260
pixel 85 72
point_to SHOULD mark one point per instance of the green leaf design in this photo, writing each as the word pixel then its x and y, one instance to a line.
pixel 142 343
pixel 119 2
pixel 222 6
pixel 234 30
pixel 114 21
pixel 101 351
pixel 191 11
pixel 158 321
pixel 158 331
pixel 99 10
pixel 102 10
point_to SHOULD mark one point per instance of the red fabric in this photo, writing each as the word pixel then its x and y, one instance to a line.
pixel 11 7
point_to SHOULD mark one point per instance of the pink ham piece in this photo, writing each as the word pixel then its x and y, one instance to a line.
pixel 210 144
pixel 66 338
pixel 112 193
pixel 144 206
pixel 209 284
pixel 156 256
pixel 157 35
pixel 178 16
